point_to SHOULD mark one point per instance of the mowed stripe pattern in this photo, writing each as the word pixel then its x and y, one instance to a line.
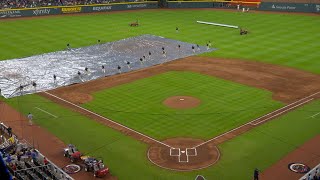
pixel 283 39
pixel 224 105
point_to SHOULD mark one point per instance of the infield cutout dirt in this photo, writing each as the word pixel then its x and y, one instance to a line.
pixel 183 156
pixel 182 102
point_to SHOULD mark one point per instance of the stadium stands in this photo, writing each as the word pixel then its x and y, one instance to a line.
pixel 312 174
pixel 24 162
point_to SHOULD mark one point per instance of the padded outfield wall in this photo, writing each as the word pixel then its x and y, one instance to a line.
pixel 57 10
pixel 309 6
pixel 210 4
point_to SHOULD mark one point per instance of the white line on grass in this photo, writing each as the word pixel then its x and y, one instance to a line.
pixel 286 106
pixel 108 119
pixel 255 120
pixel 282 112
pixel 315 115
pixel 46 112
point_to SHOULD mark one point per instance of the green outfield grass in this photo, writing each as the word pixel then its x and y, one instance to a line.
pixel 127 159
pixel 290 40
pixel 224 105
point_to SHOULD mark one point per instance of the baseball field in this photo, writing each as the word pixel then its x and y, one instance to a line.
pixel 210 104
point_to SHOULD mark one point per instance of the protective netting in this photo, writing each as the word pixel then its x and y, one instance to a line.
pixel 36 73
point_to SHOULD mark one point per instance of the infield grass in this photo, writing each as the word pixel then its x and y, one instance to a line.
pixel 127 158
pixel 284 39
pixel 224 105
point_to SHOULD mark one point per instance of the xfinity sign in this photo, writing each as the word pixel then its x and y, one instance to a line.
pixel 41 12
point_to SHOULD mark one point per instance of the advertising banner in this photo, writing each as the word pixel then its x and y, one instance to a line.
pixel 119 7
pixel 11 13
pixel 29 12
pixel 73 9
pixel 190 4
pixel 44 11
pixel 316 8
pixel 289 7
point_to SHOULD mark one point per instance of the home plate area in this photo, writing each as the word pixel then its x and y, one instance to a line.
pixel 183 155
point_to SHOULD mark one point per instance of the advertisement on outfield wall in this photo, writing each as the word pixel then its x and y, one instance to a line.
pixel 136 6
pixel 190 4
pixel 74 9
pixel 118 7
pixel 10 14
pixel 101 8
pixel 44 11
pixel 289 7
pixel 317 8
pixel 29 12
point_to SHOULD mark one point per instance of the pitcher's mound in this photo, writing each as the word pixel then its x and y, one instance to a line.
pixel 182 102
pixel 184 155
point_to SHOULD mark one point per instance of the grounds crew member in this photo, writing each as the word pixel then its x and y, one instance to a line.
pixel 30 117
pixel 103 70
pixel 256 174
pixel 54 78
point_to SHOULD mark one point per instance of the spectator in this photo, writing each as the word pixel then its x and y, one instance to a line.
pixel 30 117
pixel 34 155
pixel 45 161
pixel 9 129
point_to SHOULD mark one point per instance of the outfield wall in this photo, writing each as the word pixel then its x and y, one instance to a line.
pixel 57 10
pixel 290 7
pixel 312 7
pixel 211 4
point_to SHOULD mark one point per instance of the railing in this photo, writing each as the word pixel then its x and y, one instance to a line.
pixel 65 176
pixel 312 173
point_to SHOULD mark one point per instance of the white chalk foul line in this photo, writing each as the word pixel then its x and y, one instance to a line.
pixel 285 106
pixel 255 120
pixel 46 112
pixel 304 102
pixel 107 119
